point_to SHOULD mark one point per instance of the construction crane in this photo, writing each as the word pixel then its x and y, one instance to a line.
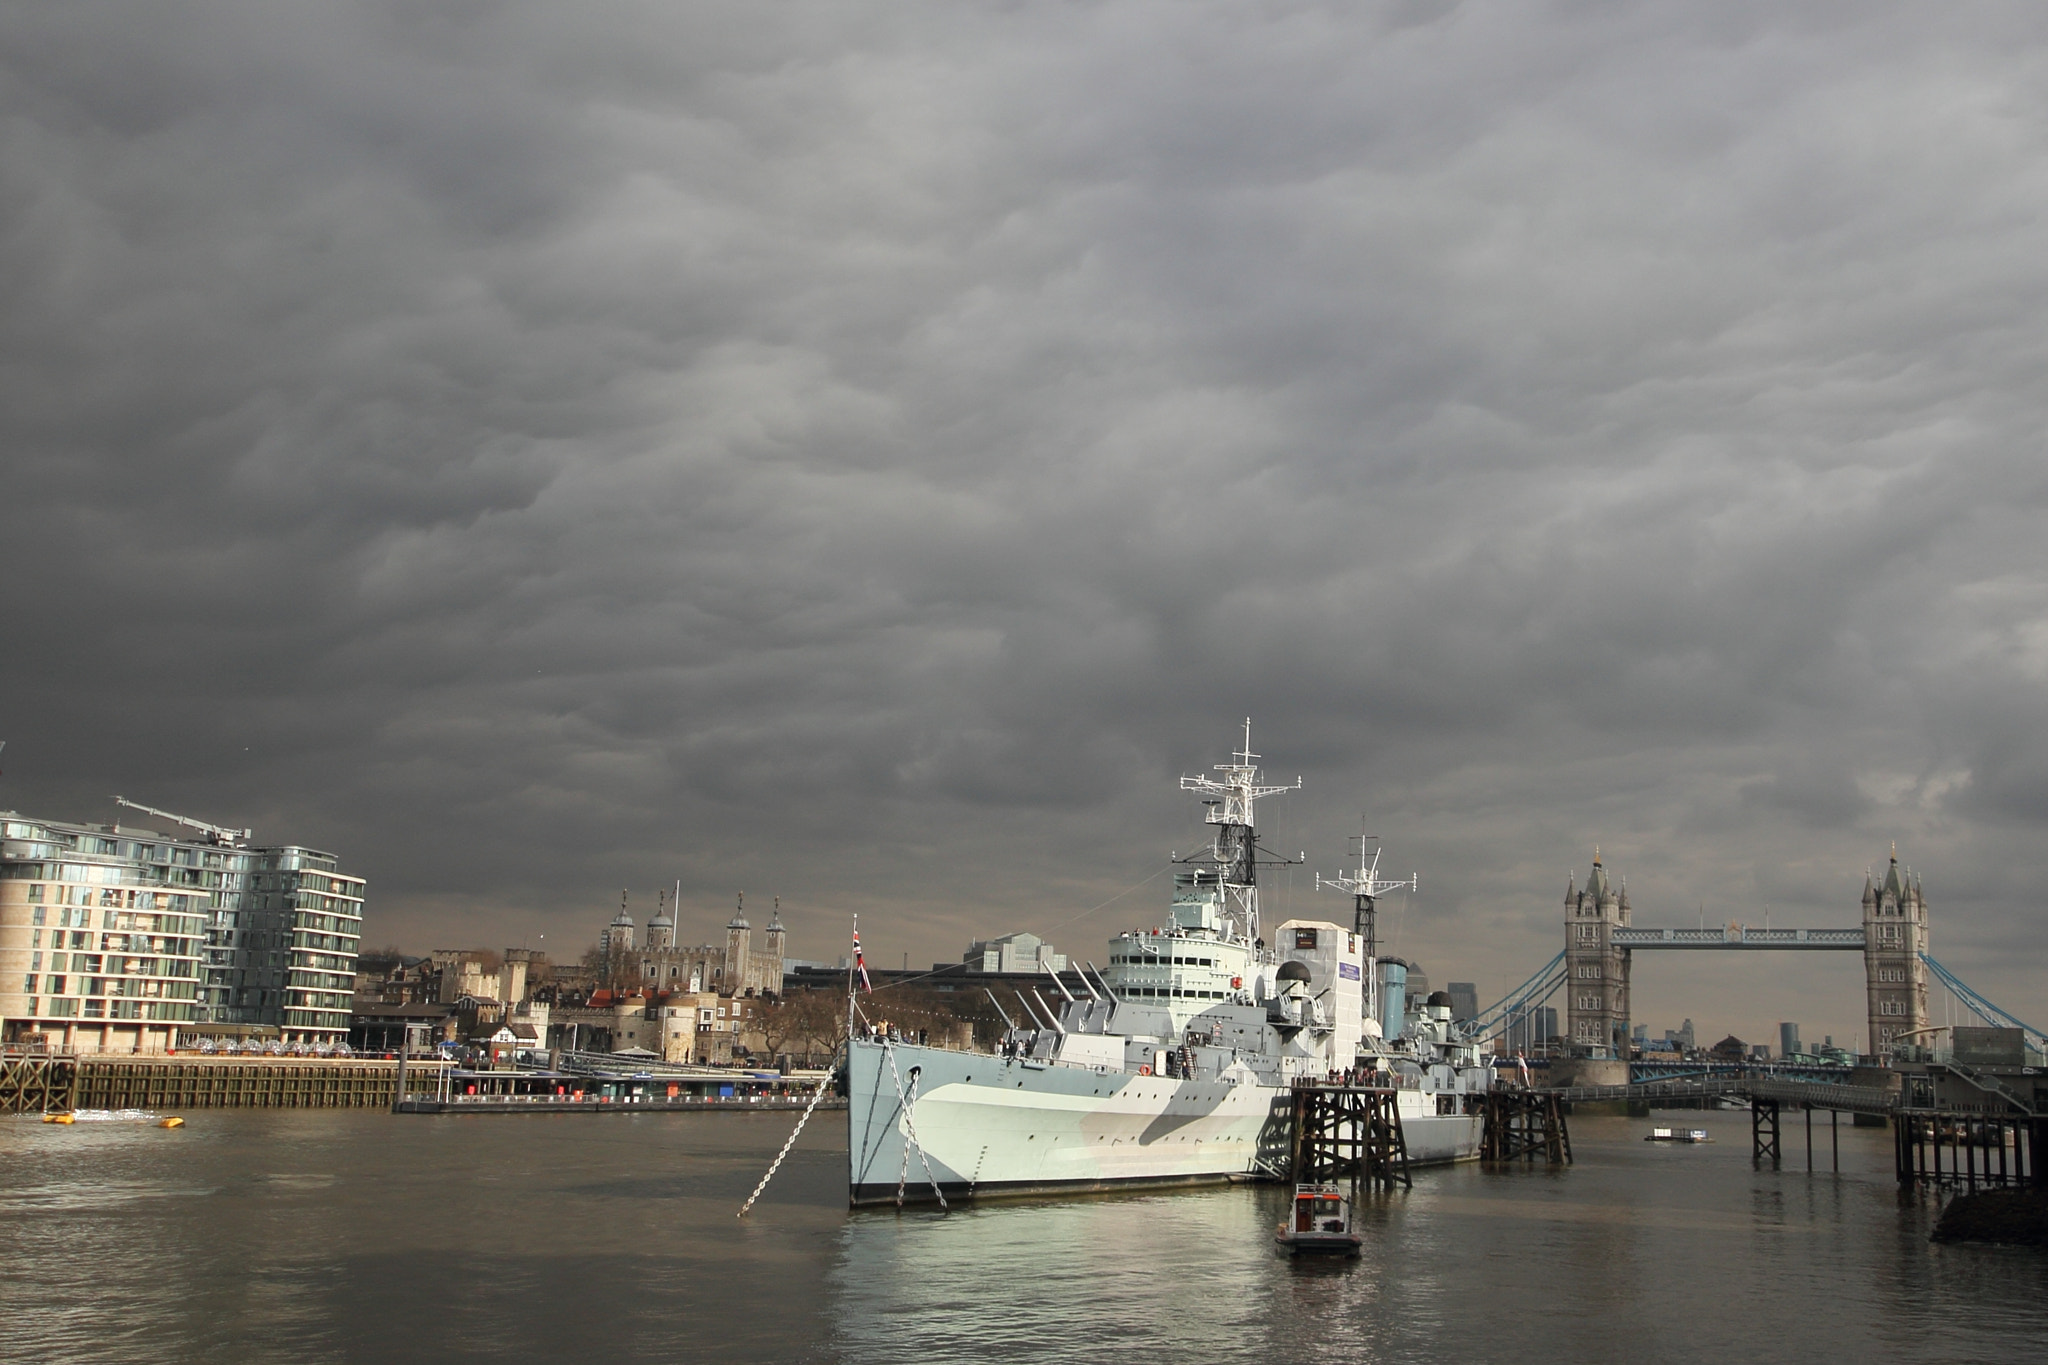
pixel 215 833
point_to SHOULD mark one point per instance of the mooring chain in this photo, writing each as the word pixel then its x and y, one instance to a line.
pixel 776 1165
pixel 903 1105
pixel 903 1102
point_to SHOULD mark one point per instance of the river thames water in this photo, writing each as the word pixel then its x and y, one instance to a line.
pixel 349 1236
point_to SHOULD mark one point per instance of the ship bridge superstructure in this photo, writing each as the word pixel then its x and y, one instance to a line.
pixel 1182 971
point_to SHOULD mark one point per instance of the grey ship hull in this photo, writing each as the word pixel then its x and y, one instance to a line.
pixel 1001 1126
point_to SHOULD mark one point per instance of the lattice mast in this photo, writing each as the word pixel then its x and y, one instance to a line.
pixel 1365 888
pixel 1235 849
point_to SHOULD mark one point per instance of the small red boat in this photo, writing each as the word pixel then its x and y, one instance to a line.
pixel 1319 1224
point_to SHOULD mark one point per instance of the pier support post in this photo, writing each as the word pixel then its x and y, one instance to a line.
pixel 1763 1131
pixel 1522 1125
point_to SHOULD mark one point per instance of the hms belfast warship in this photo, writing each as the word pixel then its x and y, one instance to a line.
pixel 1174 1065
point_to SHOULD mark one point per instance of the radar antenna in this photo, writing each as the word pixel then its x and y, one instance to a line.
pixel 1230 800
pixel 1365 889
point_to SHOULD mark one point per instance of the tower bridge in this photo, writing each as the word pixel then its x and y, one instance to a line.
pixel 1601 941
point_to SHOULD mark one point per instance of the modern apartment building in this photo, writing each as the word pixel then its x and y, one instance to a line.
pixel 113 937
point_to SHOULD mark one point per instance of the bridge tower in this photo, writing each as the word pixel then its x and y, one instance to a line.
pixel 1597 968
pixel 1894 936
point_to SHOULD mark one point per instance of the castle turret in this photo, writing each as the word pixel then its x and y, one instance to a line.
pixel 661 930
pixel 512 976
pixel 739 946
pixel 770 970
pixel 618 936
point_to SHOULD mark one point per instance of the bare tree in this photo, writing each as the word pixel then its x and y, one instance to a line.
pixel 818 1020
pixel 380 961
pixel 914 1008
pixel 781 1022
pixel 614 970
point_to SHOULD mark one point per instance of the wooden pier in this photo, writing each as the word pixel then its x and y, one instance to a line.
pixel 34 1082
pixel 1971 1152
pixel 1525 1125
pixel 1347 1133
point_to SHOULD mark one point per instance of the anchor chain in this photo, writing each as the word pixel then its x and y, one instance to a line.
pixel 903 1102
pixel 776 1165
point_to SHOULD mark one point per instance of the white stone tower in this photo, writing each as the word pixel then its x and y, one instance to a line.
pixel 1894 936
pixel 1597 970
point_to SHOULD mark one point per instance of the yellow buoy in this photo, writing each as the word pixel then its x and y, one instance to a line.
pixel 58 1118
pixel 172 1122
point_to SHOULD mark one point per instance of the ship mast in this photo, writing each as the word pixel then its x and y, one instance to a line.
pixel 1364 889
pixel 1235 848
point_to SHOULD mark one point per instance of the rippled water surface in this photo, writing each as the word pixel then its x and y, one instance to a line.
pixel 352 1236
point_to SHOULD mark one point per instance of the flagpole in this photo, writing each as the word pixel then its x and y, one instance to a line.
pixel 849 993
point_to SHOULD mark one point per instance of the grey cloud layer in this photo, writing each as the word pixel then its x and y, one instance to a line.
pixel 866 452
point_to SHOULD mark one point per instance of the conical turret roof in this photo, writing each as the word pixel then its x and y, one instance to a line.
pixel 1597 885
pixel 1893 885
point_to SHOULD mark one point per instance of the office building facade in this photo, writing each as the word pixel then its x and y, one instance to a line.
pixel 115 938
pixel 1019 952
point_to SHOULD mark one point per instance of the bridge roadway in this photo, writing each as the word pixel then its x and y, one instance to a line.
pixel 1944 1088
pixel 1740 936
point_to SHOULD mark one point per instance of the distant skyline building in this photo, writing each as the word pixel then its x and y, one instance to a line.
pixel 1531 1029
pixel 1019 952
pixel 1464 999
pixel 112 937
pixel 1788 1040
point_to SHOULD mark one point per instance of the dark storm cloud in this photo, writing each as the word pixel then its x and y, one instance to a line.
pixel 866 453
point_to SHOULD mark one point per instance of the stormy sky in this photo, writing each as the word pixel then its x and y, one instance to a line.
pixel 865 453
